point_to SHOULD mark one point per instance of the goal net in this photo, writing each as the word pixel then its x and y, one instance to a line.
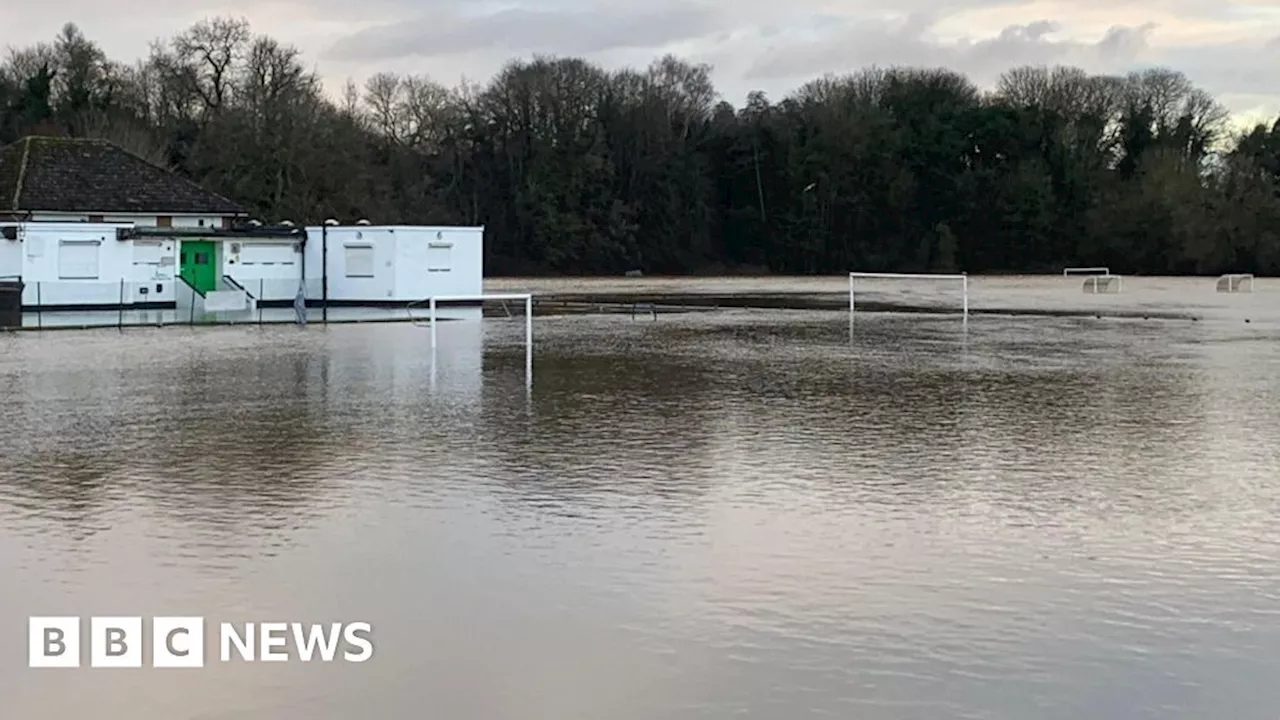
pixel 1102 284
pixel 1235 283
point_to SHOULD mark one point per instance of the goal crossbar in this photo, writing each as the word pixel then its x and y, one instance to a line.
pixel 1085 270
pixel 962 278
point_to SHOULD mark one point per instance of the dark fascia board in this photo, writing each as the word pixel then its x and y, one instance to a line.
pixel 10 232
pixel 263 233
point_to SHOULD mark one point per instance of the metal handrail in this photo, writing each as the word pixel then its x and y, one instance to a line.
pixel 188 284
pixel 241 288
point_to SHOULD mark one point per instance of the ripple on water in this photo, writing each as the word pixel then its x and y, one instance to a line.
pixel 715 514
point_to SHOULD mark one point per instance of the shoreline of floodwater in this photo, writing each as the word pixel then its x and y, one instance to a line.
pixel 584 303
pixel 653 304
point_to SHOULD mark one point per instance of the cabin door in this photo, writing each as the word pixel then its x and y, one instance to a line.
pixel 196 264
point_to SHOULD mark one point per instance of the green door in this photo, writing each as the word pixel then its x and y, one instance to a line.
pixel 196 264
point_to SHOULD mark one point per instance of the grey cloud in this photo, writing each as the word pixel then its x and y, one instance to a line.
pixel 520 31
pixel 753 44
pixel 1125 42
pixel 1238 69
pixel 878 43
pixel 1242 74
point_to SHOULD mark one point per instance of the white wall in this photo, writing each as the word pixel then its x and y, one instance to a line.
pixel 343 242
pixel 405 265
pixel 42 246
pixel 439 261
pixel 268 269
pixel 177 221
pixel 155 267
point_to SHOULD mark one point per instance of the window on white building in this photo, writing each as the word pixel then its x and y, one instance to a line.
pixel 439 257
pixel 147 253
pixel 359 261
pixel 78 259
pixel 265 254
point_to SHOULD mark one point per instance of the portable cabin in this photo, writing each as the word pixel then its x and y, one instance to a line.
pixel 394 264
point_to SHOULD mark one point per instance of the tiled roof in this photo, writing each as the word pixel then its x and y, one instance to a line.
pixel 88 175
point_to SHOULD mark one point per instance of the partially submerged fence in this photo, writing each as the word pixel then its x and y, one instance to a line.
pixel 54 305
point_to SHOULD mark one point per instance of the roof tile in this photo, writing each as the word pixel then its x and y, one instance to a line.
pixel 89 175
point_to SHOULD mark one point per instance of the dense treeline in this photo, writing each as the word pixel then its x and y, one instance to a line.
pixel 579 170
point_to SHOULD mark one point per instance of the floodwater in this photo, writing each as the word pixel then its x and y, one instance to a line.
pixel 733 513
pixel 1160 296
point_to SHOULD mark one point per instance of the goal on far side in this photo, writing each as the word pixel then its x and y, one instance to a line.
pixel 858 280
pixel 1235 283
pixel 1069 272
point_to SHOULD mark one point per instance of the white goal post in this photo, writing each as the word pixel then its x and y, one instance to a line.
pixel 528 321
pixel 1235 283
pixel 1067 272
pixel 962 278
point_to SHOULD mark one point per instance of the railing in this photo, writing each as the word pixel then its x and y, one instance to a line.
pixel 233 283
pixel 173 301
pixel 188 285
pixel 57 304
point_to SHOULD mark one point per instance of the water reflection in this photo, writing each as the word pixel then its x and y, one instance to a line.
pixel 707 515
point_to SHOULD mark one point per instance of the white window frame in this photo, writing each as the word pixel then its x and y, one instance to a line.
pixel 346 260
pixel 244 245
pixel 439 246
pixel 148 243
pixel 97 259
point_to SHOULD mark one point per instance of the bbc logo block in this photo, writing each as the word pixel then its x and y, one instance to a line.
pixel 115 642
pixel 179 642
pixel 53 642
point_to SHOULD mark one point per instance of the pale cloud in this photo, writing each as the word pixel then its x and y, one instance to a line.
pixel 1229 48
pixel 848 46
pixel 564 31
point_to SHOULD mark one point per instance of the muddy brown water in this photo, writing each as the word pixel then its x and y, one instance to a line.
pixel 733 513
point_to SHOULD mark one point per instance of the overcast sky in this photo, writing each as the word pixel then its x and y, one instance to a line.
pixel 1230 48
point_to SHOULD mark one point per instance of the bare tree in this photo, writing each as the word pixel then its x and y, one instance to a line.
pixel 211 49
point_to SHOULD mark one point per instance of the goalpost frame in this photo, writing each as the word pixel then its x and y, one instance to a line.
pixel 1235 282
pixel 1068 272
pixel 483 297
pixel 962 277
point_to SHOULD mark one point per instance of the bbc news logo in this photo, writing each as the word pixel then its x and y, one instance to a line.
pixel 179 642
